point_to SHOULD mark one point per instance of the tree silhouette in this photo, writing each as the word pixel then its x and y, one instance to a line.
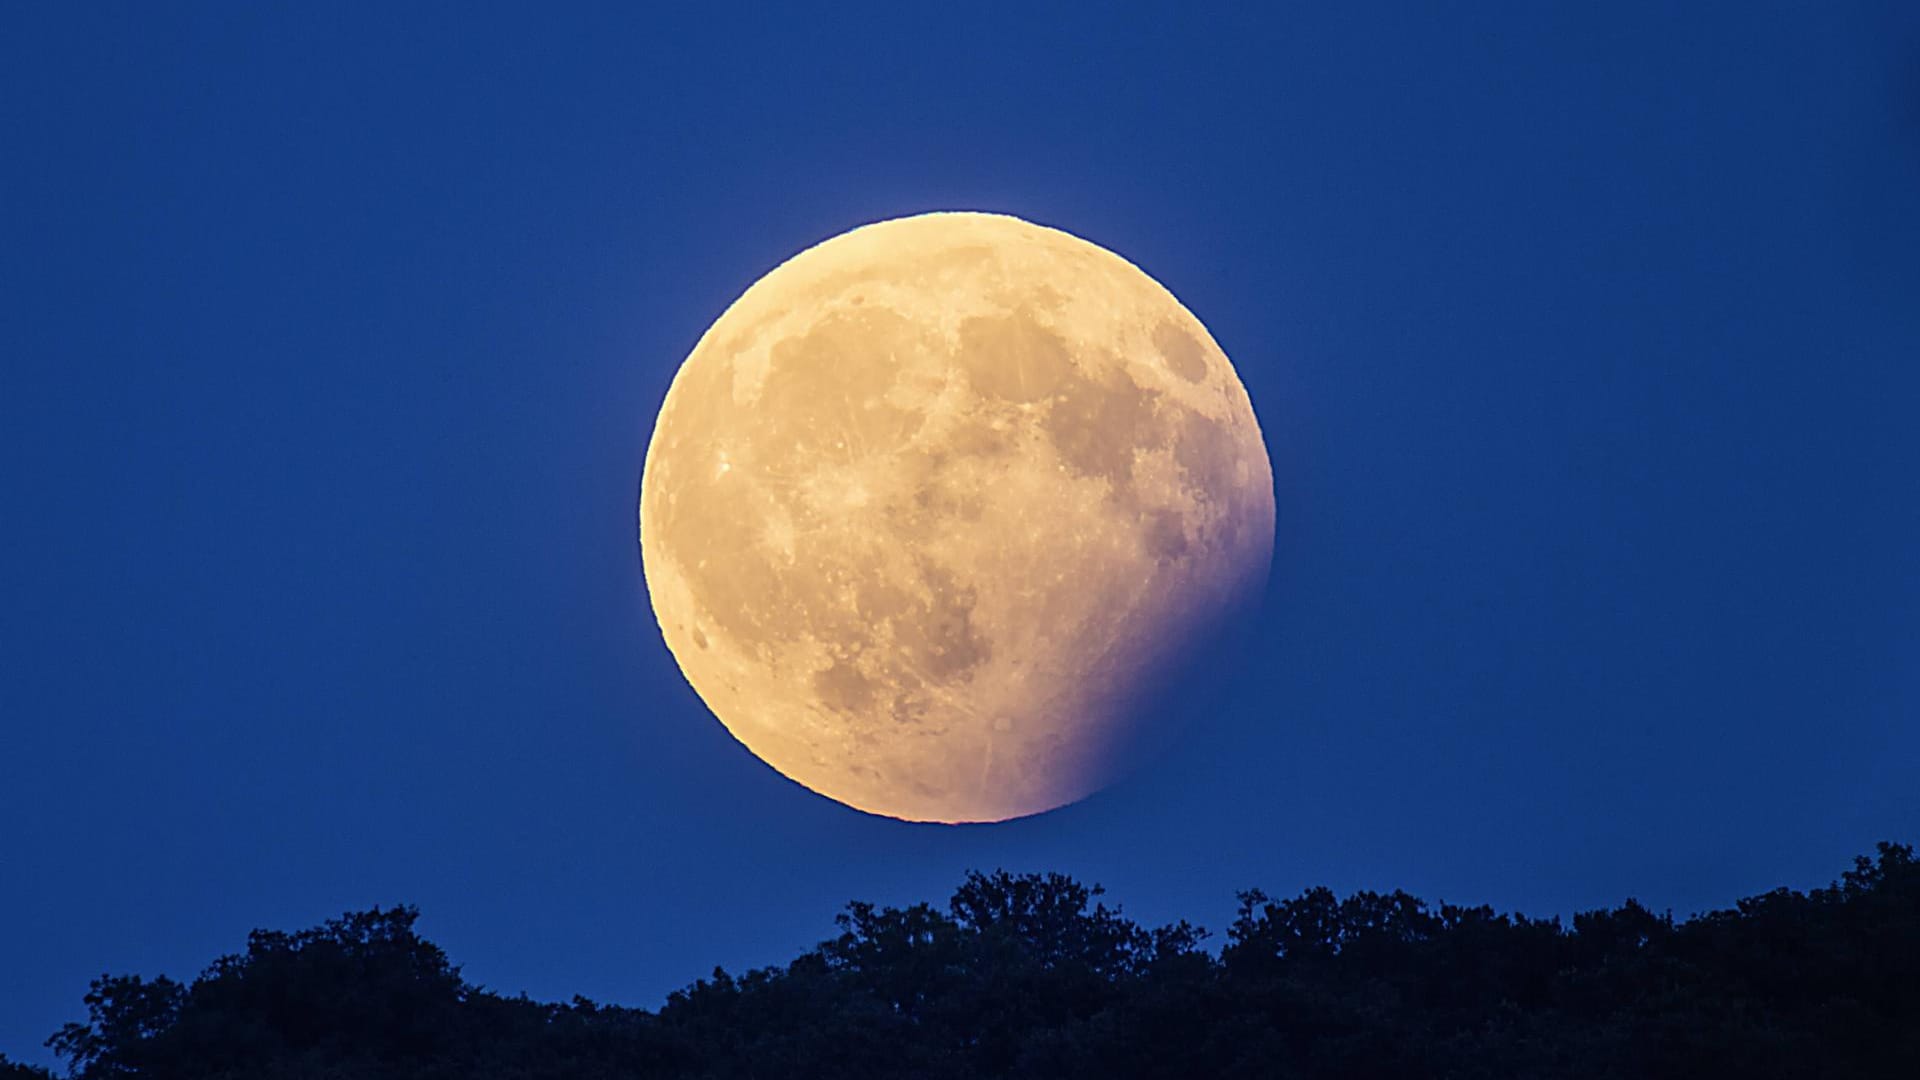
pixel 13 1070
pixel 1034 975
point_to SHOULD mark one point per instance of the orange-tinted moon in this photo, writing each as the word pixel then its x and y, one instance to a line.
pixel 936 510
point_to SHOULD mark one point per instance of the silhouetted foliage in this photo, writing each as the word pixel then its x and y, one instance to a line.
pixel 13 1070
pixel 1034 976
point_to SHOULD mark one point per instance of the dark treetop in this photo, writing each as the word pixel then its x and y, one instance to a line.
pixel 1031 975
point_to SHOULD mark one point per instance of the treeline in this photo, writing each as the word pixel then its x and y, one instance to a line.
pixel 1034 976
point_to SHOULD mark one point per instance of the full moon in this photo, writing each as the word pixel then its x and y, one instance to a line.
pixel 942 512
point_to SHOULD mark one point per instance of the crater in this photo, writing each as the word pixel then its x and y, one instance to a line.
pixel 1181 350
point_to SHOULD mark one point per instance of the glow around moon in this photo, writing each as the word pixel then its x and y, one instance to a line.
pixel 935 515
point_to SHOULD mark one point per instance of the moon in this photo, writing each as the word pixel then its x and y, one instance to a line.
pixel 937 515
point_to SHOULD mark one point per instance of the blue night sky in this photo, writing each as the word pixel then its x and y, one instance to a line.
pixel 1586 344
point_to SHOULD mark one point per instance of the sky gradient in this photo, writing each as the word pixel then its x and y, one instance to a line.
pixel 1586 346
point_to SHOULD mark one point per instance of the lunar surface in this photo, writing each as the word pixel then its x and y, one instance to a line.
pixel 937 514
